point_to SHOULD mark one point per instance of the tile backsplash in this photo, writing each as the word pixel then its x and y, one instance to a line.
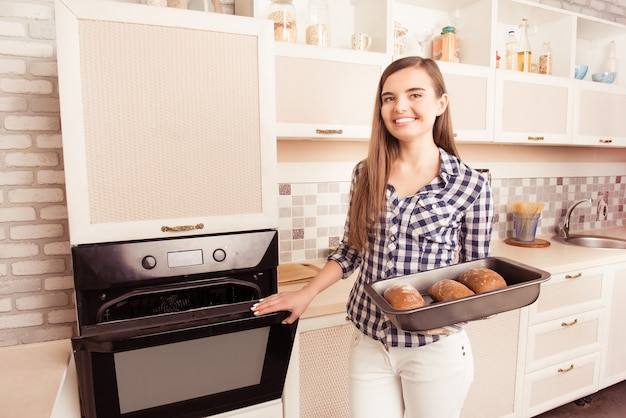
pixel 312 215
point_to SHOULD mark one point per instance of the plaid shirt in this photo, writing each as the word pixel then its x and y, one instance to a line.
pixel 448 221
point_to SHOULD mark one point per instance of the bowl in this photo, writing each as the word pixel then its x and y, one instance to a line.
pixel 605 77
pixel 580 71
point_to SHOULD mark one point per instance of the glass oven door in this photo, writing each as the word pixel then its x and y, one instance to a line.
pixel 197 368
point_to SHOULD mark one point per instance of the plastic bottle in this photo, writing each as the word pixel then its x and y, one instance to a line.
pixel 283 14
pixel 524 50
pixel 510 58
pixel 545 59
pixel 612 63
pixel 318 29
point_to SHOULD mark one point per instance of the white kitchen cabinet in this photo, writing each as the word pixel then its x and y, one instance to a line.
pixel 148 97
pixel 599 114
pixel 564 340
pixel 325 93
pixel 533 108
pixel 471 89
pixel 489 104
pixel 614 365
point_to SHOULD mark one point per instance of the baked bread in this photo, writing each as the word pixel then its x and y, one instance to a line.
pixel 448 289
pixel 403 296
pixel 482 280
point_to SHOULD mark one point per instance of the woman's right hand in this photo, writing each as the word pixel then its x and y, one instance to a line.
pixel 296 302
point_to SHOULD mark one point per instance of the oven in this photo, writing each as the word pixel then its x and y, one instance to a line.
pixel 166 330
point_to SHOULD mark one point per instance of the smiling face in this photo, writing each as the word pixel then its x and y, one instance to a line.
pixel 410 105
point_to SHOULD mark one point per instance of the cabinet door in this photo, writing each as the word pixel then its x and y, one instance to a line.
pixel 164 127
pixel 325 94
pixel 615 360
pixel 561 383
pixel 533 108
pixel 494 344
pixel 470 89
pixel 599 118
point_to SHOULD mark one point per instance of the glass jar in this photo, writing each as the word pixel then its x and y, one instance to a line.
pixel 318 27
pixel 447 46
pixel 545 59
pixel 283 14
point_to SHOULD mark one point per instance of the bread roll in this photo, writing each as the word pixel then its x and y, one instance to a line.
pixel 403 296
pixel 448 289
pixel 482 280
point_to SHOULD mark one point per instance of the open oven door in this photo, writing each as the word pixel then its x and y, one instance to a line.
pixel 196 368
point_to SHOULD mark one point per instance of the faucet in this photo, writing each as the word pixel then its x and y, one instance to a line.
pixel 563 227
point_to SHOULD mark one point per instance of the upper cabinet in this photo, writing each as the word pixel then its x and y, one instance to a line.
pixel 489 103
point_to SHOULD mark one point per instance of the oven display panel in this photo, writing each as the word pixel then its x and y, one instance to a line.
pixel 184 258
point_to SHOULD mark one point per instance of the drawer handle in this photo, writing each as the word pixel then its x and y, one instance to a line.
pixel 569 369
pixel 606 141
pixel 329 131
pixel 569 324
pixel 575 276
pixel 535 138
pixel 166 228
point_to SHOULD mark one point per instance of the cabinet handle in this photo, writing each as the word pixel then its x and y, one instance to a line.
pixel 535 138
pixel 569 324
pixel 575 276
pixel 329 131
pixel 166 228
pixel 606 141
pixel 569 369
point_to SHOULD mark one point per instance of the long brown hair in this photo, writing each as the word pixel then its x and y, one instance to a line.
pixel 368 198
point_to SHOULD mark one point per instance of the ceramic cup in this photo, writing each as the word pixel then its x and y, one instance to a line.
pixel 361 41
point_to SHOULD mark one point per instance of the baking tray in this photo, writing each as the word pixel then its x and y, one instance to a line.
pixel 523 283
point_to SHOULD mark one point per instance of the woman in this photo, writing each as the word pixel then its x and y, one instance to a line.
pixel 414 207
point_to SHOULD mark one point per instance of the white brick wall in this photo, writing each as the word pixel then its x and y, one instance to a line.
pixel 36 295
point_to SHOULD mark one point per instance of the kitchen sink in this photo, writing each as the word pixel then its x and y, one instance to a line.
pixel 593 241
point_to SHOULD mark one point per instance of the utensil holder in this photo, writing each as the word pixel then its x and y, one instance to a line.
pixel 525 226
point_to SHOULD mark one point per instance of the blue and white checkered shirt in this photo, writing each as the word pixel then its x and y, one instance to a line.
pixel 448 221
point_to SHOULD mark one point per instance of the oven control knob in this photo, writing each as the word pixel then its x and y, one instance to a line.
pixel 219 255
pixel 148 262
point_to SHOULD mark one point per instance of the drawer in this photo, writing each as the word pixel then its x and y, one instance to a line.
pixel 561 383
pixel 568 294
pixel 567 337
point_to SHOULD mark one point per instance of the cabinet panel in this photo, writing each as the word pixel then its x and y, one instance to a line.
pixel 564 382
pixel 573 335
pixel 533 109
pixel 599 118
pixel 570 294
pixel 615 361
pixel 471 91
pixel 326 96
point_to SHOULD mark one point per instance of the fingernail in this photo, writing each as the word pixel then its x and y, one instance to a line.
pixel 253 307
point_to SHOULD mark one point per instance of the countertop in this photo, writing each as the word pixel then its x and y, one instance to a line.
pixel 37 380
pixel 555 259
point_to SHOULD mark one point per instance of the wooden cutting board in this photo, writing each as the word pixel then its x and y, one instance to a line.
pixel 296 273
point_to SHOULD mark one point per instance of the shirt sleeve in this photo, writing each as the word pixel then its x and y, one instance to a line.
pixel 477 225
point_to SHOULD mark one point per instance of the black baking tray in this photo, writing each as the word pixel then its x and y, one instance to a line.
pixel 523 284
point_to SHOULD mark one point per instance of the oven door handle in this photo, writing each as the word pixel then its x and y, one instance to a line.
pixel 133 337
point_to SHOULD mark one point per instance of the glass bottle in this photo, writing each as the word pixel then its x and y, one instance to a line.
pixel 545 59
pixel 283 14
pixel 318 29
pixel 524 50
pixel 510 58
pixel 611 63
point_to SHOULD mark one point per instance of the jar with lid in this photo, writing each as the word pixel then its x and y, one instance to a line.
pixel 447 46
pixel 545 59
pixel 510 58
pixel 318 25
pixel 283 14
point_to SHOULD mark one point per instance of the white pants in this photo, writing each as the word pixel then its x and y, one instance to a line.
pixel 431 381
